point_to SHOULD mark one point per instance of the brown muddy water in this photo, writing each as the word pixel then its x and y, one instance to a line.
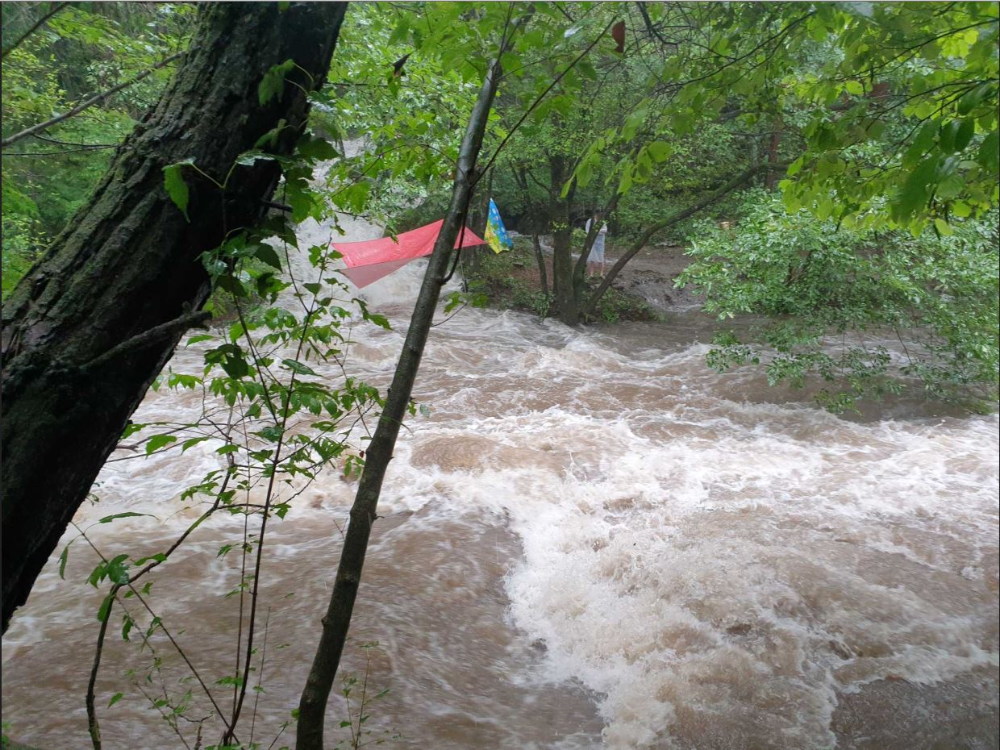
pixel 590 541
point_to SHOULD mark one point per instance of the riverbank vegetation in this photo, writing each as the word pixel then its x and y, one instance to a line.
pixel 830 170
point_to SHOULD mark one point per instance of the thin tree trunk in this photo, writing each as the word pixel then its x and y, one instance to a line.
pixel 129 264
pixel 479 216
pixel 336 622
pixel 562 273
pixel 691 210
pixel 565 298
pixel 540 257
pixel 772 159
pixel 521 178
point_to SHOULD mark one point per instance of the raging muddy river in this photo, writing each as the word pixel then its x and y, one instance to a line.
pixel 589 540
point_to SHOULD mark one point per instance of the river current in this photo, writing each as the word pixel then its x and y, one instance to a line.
pixel 590 540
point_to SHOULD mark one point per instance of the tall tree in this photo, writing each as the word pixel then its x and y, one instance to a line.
pixel 92 323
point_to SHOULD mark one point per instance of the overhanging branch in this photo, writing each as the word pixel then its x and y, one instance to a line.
pixel 97 98
pixel 34 27
pixel 645 237
pixel 152 336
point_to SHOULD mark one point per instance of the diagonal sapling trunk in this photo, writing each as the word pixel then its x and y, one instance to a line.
pixel 336 622
pixel 738 181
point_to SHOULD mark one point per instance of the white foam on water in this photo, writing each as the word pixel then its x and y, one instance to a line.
pixel 749 573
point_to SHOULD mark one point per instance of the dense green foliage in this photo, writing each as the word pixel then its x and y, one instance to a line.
pixel 82 50
pixel 840 301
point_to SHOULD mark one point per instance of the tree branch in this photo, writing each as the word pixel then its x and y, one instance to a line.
pixel 37 25
pixel 336 622
pixel 538 101
pixel 645 237
pixel 151 336
pixel 88 103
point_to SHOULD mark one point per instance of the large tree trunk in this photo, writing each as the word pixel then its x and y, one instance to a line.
pixel 337 621
pixel 129 264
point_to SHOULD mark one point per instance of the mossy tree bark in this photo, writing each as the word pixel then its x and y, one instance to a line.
pixel 128 269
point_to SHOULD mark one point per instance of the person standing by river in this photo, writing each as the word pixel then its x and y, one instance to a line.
pixel 596 259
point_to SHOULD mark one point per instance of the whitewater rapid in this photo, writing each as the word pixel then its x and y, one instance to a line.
pixel 589 540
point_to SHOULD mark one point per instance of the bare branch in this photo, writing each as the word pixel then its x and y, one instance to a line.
pixel 146 338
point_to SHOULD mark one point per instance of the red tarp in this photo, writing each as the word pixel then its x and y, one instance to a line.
pixel 368 262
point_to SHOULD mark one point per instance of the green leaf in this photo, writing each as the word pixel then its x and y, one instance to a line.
pixel 126 514
pixel 316 149
pixel 298 367
pixel 105 608
pixel 267 254
pixel 115 698
pixel 659 150
pixel 380 320
pixel 192 442
pixel 855 88
pixel 972 99
pixel 158 557
pixel 158 441
pixel 989 151
pixel 402 28
pixel 117 570
pixel 916 190
pixel 249 158
pixel 946 136
pixel 273 83
pixel 272 433
pixel 943 227
pixel 177 189
pixel 63 559
pixel 232 285
pixel 961 209
pixel 966 129
pixel 268 139
pixel 923 141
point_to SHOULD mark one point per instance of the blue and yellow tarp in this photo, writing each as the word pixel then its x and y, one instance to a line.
pixel 496 235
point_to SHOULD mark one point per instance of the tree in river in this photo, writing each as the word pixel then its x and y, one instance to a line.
pixel 91 324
